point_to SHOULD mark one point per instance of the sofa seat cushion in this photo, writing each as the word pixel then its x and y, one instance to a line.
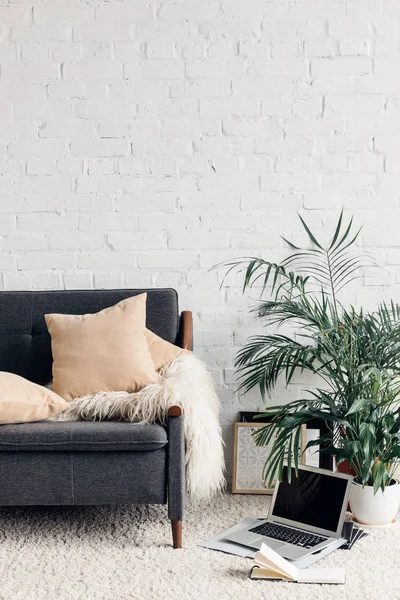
pixel 81 436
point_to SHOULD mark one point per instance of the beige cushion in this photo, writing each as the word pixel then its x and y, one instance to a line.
pixel 22 401
pixel 162 352
pixel 106 351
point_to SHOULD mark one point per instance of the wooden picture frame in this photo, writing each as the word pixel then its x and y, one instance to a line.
pixel 249 459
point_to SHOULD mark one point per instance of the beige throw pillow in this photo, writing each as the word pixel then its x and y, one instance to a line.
pixel 106 351
pixel 22 401
pixel 162 352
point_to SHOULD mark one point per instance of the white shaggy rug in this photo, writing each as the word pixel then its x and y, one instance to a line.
pixel 123 553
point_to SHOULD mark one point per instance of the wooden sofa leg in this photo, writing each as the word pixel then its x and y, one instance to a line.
pixel 177 533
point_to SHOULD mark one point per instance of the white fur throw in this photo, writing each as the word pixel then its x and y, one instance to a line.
pixel 186 382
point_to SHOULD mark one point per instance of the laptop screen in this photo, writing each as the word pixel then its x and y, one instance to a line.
pixel 314 499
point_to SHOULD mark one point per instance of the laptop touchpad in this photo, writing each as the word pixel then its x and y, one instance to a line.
pixel 268 542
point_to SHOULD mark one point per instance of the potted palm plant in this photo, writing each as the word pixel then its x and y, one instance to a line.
pixel 355 354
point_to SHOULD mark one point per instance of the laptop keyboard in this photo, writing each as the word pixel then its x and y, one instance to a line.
pixel 288 535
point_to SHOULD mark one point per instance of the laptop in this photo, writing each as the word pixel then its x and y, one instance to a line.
pixel 306 515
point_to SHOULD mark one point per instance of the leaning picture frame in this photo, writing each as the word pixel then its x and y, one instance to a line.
pixel 249 459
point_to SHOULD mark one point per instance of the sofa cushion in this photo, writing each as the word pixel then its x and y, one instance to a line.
pixel 102 352
pixel 103 436
pixel 22 401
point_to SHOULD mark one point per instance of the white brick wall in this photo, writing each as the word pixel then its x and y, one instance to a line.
pixel 143 142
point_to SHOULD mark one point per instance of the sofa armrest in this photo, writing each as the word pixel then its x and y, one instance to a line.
pixel 176 464
pixel 186 330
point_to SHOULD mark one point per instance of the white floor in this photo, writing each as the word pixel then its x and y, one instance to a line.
pixel 122 553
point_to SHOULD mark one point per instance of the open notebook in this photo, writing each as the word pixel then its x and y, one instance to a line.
pixel 270 565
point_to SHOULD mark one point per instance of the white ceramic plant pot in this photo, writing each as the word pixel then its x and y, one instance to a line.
pixel 374 509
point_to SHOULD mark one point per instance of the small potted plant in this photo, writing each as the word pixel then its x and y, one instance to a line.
pixel 355 354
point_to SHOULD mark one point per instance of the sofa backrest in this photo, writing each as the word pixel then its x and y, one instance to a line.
pixel 25 346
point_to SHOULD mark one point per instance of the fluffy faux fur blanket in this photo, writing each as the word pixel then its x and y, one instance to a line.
pixel 186 382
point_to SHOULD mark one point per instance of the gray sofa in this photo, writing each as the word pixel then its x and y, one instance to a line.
pixel 56 463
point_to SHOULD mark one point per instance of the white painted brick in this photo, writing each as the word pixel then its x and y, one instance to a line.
pixel 144 128
pixel 355 104
pixel 215 69
pixel 353 47
pixel 70 166
pixel 386 45
pixel 146 202
pixel 65 12
pixel 101 166
pixel 30 72
pixel 89 260
pixel 335 162
pixel 35 203
pixel 189 128
pixel 102 32
pixel 68 240
pixel 345 143
pixel 8 53
pixel 78 281
pixel 33 261
pixel 192 49
pixel 65 52
pixel 203 88
pixel 123 11
pixel 95 203
pixel 40 33
pixel 286 48
pixel 352 26
pixel 45 184
pixel 99 147
pixel 340 66
pixel 47 222
pixel 176 107
pixel 75 128
pixel 378 84
pixel 40 148
pixel 46 281
pixel 103 281
pixel 199 240
pixel 196 163
pixel 392 164
pixel 10 167
pixel 218 108
pixel 76 90
pixel 131 165
pixel 40 166
pixel 247 127
pixel 16 281
pixel 160 49
pixel 157 69
pixel 96 69
pixel 278 67
pixel 137 240
pixel 15 14
pixel 387 144
pixel 368 162
pixel 139 279
pixel 108 222
pixel 7 224
pixel 168 222
pixel 7 262
pixel 45 110
pixel 320 48
pixel 20 241
pixel 129 51
pixel 171 260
